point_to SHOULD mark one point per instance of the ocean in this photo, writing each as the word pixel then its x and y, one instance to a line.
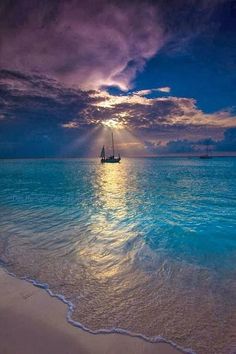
pixel 146 246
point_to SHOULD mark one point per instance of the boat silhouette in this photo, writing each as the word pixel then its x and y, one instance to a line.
pixel 206 155
pixel 112 158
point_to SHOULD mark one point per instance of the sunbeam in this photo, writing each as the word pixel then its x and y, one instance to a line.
pixel 79 142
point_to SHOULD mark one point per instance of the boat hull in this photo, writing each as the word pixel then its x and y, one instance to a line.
pixel 205 157
pixel 111 160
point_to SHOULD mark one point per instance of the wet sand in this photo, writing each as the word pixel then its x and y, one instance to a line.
pixel 32 322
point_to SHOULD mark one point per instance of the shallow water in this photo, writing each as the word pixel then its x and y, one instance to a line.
pixel 147 245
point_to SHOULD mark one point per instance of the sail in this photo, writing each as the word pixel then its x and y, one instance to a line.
pixel 103 153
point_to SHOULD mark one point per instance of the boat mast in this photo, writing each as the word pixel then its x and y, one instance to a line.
pixel 112 139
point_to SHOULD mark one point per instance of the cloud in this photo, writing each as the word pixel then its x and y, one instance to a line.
pixel 95 43
pixel 185 146
pixel 229 141
pixel 41 98
pixel 143 92
pixel 34 108
pixel 40 116
pixel 84 43
pixel 165 89
pixel 23 92
pixel 181 146
pixel 138 111
pixel 173 146
pixel 70 125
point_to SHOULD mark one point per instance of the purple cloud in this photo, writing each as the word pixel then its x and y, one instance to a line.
pixel 84 43
pixel 94 43
pixel 39 112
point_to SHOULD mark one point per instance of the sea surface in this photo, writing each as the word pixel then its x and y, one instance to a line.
pixel 147 245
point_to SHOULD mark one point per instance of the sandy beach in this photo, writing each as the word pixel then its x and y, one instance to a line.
pixel 32 322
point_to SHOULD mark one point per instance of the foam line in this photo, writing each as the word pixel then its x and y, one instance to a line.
pixel 113 330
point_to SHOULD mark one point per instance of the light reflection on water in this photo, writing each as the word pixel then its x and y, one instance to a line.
pixel 148 245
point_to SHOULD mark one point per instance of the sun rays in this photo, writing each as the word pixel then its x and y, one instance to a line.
pixel 126 142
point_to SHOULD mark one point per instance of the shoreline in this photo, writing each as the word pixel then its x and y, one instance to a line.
pixel 33 322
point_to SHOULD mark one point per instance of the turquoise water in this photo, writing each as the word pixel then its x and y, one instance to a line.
pixel 147 245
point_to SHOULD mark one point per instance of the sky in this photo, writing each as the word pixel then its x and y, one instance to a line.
pixel 160 74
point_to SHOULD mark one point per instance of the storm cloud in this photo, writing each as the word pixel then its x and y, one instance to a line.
pixel 41 117
pixel 95 43
pixel 69 69
pixel 85 43
pixel 186 146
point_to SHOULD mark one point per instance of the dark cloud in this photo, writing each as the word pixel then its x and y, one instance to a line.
pixel 229 141
pixel 172 147
pixel 34 96
pixel 86 43
pixel 54 55
pixel 32 111
pixel 94 43
pixel 41 117
pixel 186 146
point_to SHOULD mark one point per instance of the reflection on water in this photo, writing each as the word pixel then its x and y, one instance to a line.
pixel 107 236
pixel 112 186
pixel 147 245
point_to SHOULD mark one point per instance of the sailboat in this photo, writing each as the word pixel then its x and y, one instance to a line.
pixel 206 155
pixel 112 158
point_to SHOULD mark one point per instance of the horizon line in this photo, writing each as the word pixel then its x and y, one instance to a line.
pixel 124 157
